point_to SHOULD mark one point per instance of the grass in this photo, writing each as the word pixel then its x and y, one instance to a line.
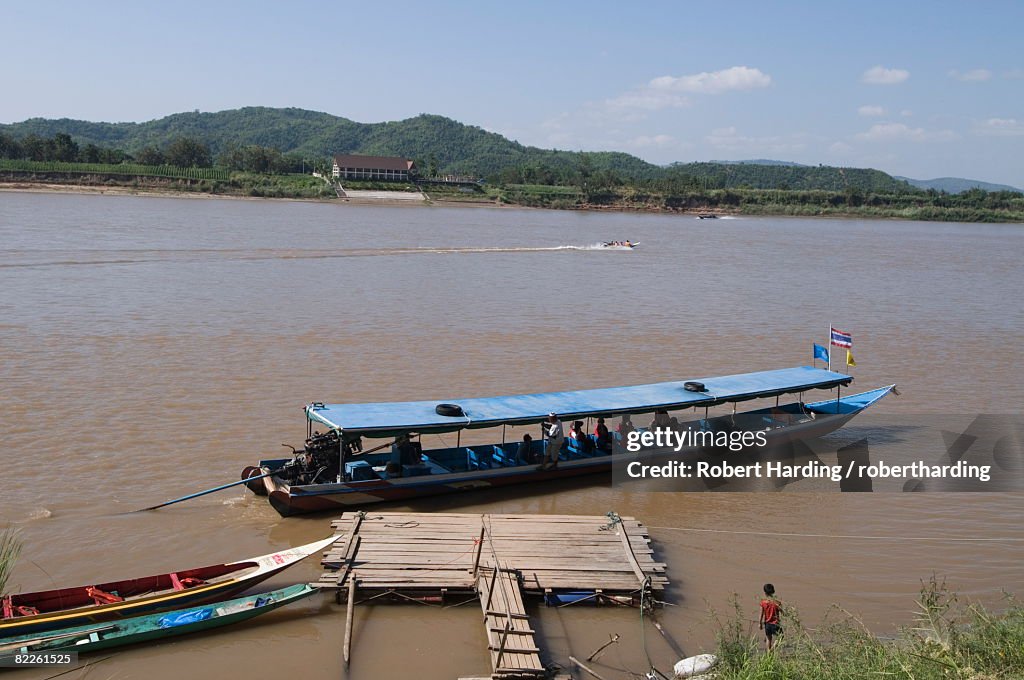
pixel 10 548
pixel 275 186
pixel 948 641
pixel 543 189
pixel 120 169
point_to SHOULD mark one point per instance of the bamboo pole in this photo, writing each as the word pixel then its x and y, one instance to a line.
pixel 584 668
pixel 479 547
pixel 611 641
pixel 348 616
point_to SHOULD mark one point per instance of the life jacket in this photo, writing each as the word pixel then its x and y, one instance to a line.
pixel 10 610
pixel 187 582
pixel 100 597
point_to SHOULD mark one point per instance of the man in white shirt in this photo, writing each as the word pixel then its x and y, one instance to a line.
pixel 555 439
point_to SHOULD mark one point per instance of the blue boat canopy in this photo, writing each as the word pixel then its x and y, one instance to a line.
pixel 391 418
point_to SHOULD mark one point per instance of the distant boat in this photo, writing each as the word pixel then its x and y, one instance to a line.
pixel 620 244
pixel 152 627
pixel 707 216
pixel 50 609
pixel 333 471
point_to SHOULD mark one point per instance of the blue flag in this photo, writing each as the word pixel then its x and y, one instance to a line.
pixel 821 353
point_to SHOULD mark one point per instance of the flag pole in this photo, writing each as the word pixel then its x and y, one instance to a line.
pixel 829 345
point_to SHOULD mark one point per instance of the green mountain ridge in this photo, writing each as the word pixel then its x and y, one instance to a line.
pixel 447 145
pixel 956 185
pixel 950 185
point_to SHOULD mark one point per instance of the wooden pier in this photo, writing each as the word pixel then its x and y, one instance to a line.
pixel 499 558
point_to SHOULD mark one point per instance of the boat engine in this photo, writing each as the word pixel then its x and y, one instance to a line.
pixel 317 462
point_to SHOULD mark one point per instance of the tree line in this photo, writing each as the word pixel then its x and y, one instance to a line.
pixel 182 152
pixel 596 177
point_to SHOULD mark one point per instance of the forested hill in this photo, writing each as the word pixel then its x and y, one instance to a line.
pixel 956 185
pixel 794 177
pixel 435 142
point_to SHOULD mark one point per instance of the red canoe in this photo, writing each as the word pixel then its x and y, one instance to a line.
pixel 51 609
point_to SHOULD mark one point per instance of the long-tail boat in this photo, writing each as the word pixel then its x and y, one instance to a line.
pixel 334 470
pixel 136 629
pixel 48 610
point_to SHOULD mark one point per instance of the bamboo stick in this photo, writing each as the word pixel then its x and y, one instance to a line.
pixel 348 616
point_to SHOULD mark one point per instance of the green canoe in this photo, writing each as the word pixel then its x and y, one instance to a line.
pixel 154 626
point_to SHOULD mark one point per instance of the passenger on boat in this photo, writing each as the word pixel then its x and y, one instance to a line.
pixel 583 442
pixel 603 436
pixel 525 453
pixel 625 427
pixel 661 420
pixel 556 437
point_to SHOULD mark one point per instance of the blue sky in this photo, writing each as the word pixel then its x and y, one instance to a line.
pixel 922 89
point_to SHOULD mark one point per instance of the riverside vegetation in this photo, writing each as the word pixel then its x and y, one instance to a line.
pixel 512 176
pixel 10 548
pixel 947 641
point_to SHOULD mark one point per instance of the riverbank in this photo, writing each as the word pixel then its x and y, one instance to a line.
pixel 948 640
pixel 918 207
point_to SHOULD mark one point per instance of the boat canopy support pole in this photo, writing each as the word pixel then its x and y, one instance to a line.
pixel 341 456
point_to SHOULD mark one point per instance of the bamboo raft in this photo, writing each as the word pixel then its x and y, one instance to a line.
pixel 499 558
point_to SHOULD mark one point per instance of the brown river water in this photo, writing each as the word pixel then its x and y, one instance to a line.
pixel 152 347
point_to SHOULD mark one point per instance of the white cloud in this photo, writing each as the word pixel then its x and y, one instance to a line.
pixel 647 100
pixel 715 82
pixel 655 141
pixel 557 122
pixel 906 113
pixel 670 92
pixel 871 111
pixel 1000 127
pixel 879 75
pixel 1014 74
pixel 974 76
pixel 730 139
pixel 840 148
pixel 887 132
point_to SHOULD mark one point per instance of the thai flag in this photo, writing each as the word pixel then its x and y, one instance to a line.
pixel 841 338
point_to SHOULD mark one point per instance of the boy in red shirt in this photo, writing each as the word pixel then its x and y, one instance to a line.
pixel 769 621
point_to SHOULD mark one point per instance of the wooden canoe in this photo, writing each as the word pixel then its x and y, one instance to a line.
pixel 57 609
pixel 153 626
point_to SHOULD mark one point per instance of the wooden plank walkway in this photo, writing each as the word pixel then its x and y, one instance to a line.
pixel 514 653
pixel 435 552
pixel 501 558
